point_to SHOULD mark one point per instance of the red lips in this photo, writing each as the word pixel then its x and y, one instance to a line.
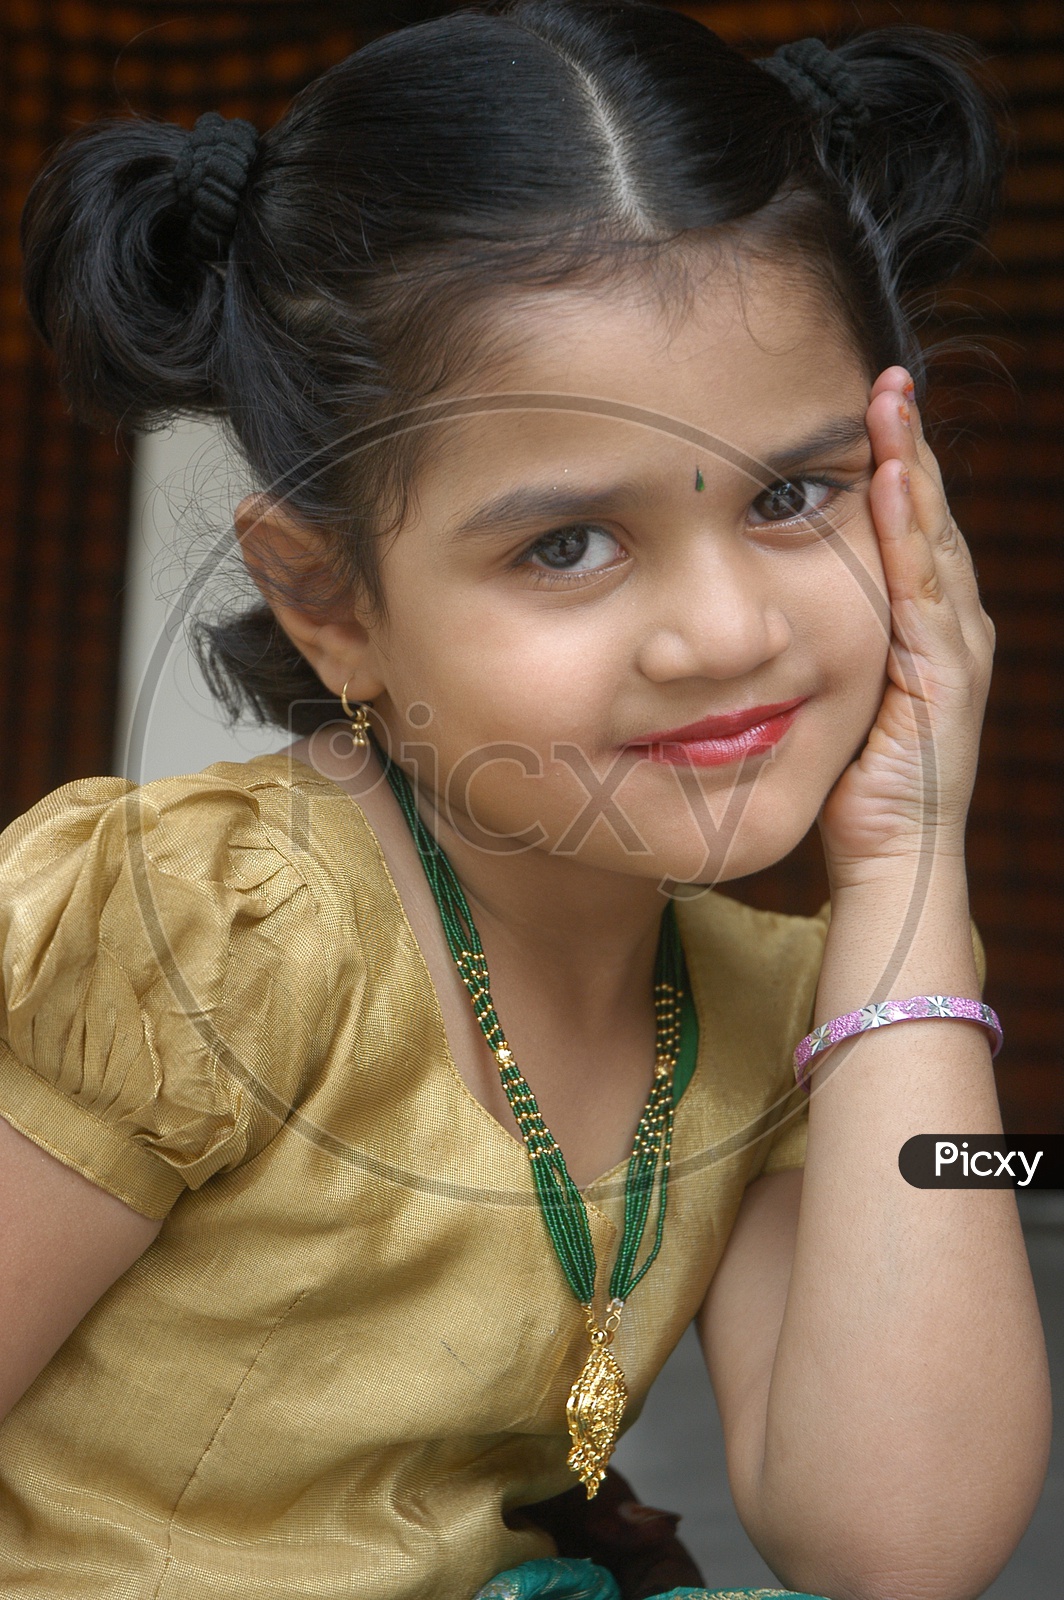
pixel 715 741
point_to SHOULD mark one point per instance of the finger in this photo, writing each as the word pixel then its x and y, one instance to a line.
pixel 895 428
pixel 895 431
pixel 897 379
pixel 938 522
pixel 908 446
pixel 922 597
pixel 909 564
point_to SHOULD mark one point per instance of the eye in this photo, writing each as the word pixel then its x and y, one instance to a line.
pixel 789 498
pixel 580 547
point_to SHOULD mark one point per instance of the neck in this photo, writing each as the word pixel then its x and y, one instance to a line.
pixel 585 930
pixel 584 935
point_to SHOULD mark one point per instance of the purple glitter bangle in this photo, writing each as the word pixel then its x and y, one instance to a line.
pixel 884 1012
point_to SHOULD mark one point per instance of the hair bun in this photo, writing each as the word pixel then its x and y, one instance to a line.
pixel 210 178
pixel 914 141
pixel 120 231
pixel 820 80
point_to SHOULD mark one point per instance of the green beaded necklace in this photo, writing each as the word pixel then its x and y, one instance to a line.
pixel 598 1398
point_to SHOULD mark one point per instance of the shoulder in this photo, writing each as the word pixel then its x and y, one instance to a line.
pixel 251 831
pixel 754 977
pixel 757 968
pixel 170 952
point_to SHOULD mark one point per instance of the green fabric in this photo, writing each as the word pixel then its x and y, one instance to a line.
pixel 558 1579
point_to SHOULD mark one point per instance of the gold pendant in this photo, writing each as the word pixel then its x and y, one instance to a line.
pixel 596 1404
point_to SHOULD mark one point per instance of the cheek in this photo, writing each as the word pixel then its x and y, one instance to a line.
pixel 842 614
pixel 837 610
pixel 862 621
pixel 533 678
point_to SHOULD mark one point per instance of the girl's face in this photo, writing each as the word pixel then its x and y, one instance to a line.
pixel 575 591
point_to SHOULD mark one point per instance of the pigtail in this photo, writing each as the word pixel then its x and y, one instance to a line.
pixel 124 239
pixel 136 277
pixel 931 160
pixel 314 287
pixel 910 135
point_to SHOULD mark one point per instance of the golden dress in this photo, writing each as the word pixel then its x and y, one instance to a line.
pixel 342 1366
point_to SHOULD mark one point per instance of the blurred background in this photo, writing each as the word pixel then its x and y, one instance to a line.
pixel 108 542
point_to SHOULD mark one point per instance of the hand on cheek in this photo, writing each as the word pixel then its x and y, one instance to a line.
pixel 909 788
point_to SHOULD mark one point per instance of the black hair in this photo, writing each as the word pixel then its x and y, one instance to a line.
pixel 517 143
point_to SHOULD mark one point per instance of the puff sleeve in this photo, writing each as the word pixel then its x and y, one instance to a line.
pixel 163 980
pixel 787 1147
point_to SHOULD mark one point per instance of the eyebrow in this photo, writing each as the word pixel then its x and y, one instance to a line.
pixel 841 433
pixel 515 508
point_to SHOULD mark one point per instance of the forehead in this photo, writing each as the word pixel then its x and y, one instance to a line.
pixel 733 314
pixel 725 346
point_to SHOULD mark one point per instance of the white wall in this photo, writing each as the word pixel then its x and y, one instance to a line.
pixel 181 560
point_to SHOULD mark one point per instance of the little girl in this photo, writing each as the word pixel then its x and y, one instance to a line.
pixel 379 1112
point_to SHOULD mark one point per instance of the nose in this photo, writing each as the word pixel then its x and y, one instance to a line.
pixel 719 615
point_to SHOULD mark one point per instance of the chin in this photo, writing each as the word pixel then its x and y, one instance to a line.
pixel 749 854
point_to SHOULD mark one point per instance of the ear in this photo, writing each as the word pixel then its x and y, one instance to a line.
pixel 278 550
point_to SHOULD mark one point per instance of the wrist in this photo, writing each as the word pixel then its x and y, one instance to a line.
pixel 886 1013
pixel 935 855
pixel 895 934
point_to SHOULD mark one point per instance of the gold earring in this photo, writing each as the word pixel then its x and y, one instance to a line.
pixel 359 718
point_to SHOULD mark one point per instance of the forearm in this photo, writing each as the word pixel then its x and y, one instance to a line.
pixel 907 1422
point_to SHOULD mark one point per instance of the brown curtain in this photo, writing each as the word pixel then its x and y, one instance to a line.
pixel 64 491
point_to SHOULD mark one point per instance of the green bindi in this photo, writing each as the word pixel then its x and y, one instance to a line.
pixel 700 482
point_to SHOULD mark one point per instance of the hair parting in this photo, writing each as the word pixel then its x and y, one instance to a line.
pixel 495 150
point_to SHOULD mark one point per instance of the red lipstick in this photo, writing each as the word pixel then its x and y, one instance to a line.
pixel 716 741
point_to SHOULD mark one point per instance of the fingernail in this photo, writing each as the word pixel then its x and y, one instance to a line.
pixel 909 388
pixel 904 481
pixel 903 412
